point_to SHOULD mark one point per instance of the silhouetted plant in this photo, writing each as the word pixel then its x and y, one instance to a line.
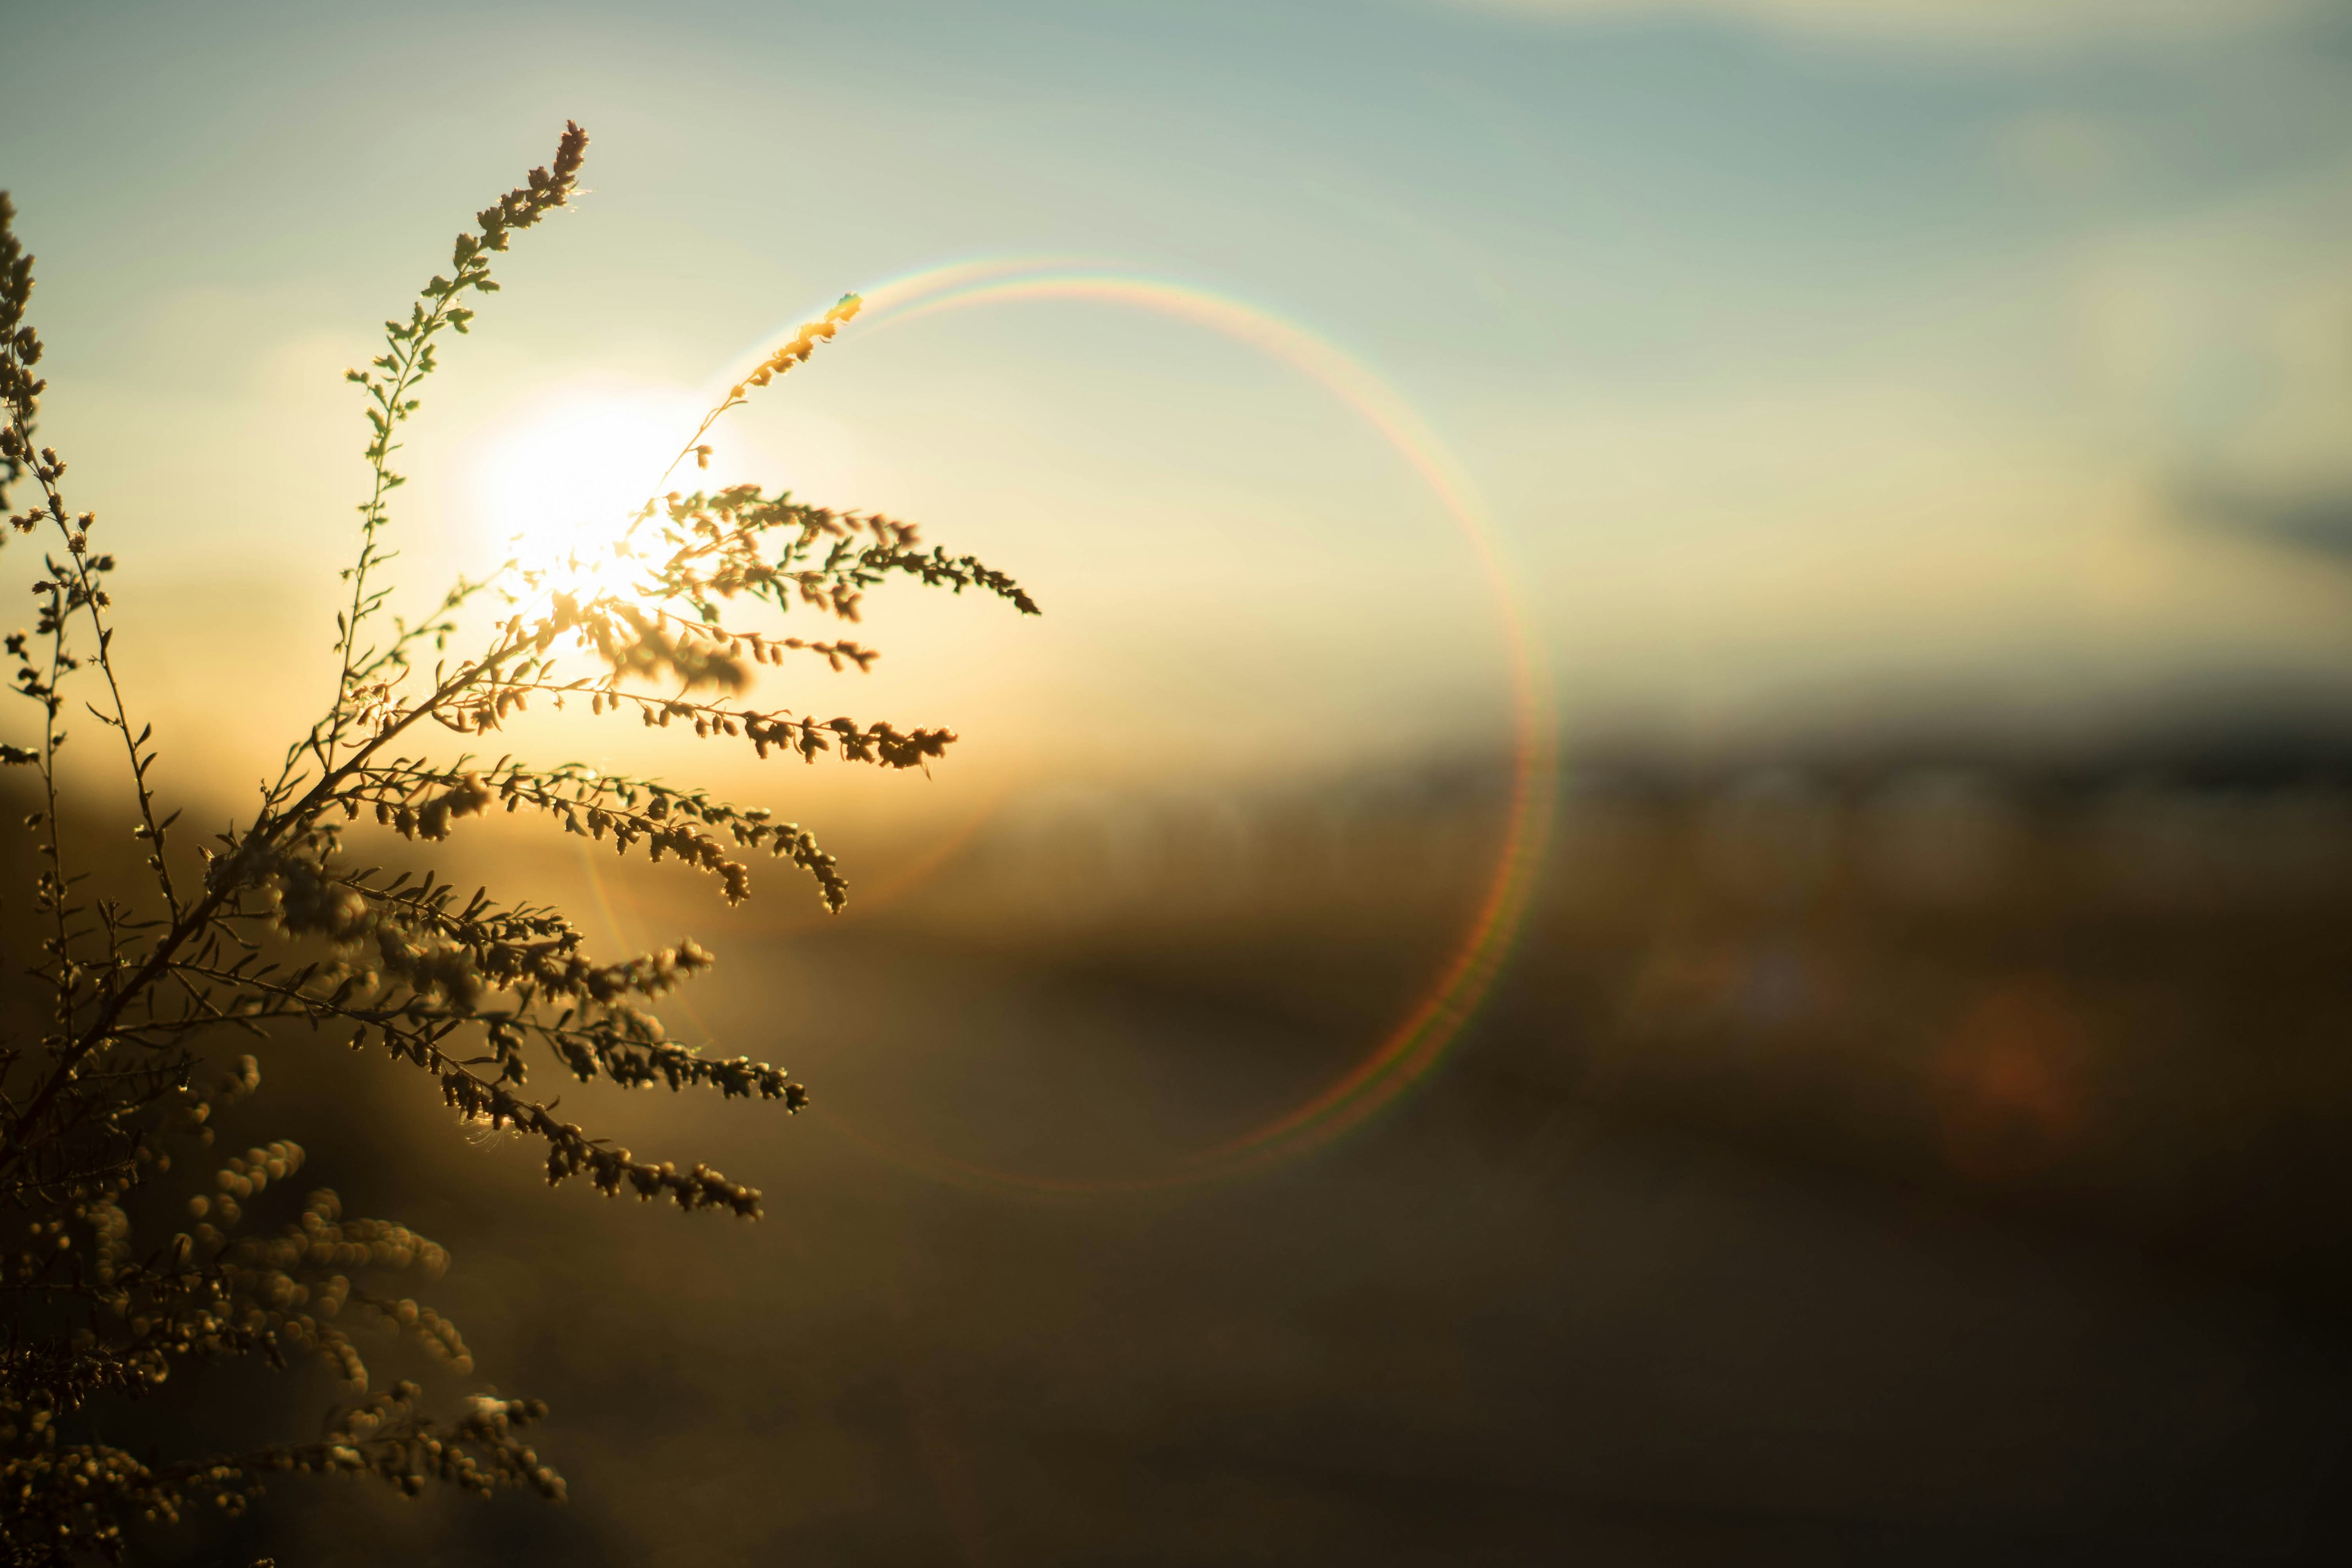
pixel 464 989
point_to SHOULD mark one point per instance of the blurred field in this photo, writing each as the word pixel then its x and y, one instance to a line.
pixel 1912 1162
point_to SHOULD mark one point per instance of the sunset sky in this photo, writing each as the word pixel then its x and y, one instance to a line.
pixel 1806 359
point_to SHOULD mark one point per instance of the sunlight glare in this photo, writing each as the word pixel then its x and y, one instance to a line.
pixel 562 484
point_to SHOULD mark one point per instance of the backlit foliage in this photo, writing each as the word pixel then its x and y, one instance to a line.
pixel 278 923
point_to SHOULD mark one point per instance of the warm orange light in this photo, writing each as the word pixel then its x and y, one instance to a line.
pixel 561 485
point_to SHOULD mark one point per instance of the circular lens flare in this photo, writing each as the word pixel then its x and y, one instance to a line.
pixel 1417 1043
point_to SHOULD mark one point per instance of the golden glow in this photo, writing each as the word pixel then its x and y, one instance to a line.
pixel 561 484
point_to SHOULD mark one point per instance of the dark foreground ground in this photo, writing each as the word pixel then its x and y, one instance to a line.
pixel 1929 1172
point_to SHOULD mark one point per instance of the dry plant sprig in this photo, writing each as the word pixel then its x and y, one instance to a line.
pixel 276 925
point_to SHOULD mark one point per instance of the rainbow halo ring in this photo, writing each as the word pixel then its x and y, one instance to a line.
pixel 1418 1041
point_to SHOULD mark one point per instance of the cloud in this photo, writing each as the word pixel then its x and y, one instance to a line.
pixel 1991 22
pixel 2317 522
pixel 2060 152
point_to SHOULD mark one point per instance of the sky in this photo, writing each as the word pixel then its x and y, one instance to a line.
pixel 1796 363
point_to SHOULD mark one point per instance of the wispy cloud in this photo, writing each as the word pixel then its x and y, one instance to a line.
pixel 1994 22
pixel 2317 522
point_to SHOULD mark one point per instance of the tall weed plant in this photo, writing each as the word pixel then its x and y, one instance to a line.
pixel 128 1249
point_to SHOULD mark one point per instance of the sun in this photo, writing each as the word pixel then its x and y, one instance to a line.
pixel 559 487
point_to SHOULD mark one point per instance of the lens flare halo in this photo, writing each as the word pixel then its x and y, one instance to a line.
pixel 1415 1045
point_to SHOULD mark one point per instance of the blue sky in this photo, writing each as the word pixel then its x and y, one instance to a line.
pixel 1810 355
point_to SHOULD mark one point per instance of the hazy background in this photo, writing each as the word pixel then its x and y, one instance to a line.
pixel 1910 1125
